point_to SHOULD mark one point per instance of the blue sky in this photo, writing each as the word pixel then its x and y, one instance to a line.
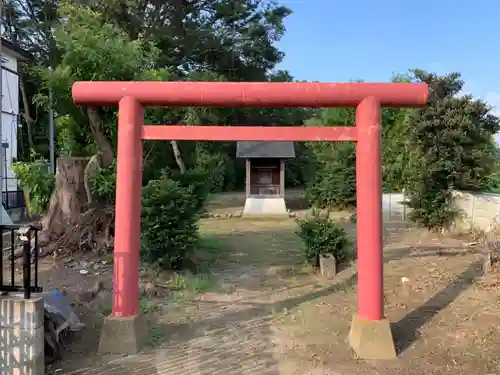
pixel 340 40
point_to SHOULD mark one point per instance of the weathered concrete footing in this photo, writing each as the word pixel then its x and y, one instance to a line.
pixel 22 336
pixel 125 335
pixel 372 339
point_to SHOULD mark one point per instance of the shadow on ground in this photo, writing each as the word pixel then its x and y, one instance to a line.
pixel 406 331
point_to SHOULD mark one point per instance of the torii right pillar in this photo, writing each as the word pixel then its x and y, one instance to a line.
pixel 370 335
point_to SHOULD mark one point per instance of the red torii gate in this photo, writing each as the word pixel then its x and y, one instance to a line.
pixel 370 334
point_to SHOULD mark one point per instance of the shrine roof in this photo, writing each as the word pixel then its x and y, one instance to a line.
pixel 278 150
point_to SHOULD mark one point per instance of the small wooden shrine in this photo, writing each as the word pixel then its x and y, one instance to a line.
pixel 265 175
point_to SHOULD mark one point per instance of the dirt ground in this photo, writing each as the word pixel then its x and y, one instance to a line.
pixel 260 311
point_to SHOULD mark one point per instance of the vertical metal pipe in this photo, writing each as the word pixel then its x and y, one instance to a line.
pixel 27 267
pixel 36 258
pixel 1 255
pixel 12 260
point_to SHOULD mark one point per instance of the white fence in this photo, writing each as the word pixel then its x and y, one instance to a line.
pixel 477 210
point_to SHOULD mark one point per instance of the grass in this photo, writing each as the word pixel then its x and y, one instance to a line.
pixel 210 250
pixel 194 284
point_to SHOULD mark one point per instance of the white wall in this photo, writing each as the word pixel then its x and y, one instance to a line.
pixel 477 210
pixel 392 206
pixel 10 115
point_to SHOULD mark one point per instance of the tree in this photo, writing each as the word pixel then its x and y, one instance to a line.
pixel 396 150
pixel 30 24
pixel 233 41
pixel 81 43
pixel 334 171
pixel 333 168
pixel 90 49
pixel 453 139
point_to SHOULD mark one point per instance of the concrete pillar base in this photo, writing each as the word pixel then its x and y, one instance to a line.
pixel 372 339
pixel 22 335
pixel 125 335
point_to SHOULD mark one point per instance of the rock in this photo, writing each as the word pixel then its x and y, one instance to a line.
pixel 90 294
pixel 84 272
pixel 149 289
pixel 406 286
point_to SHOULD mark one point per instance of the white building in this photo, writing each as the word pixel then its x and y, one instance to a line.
pixel 11 55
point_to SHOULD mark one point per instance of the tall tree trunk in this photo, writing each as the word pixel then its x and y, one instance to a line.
pixel 100 138
pixel 27 113
pixel 68 198
pixel 178 156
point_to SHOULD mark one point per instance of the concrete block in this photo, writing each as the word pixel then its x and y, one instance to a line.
pixel 265 206
pixel 22 351
pixel 328 265
pixel 123 335
pixel 372 339
pixel 15 311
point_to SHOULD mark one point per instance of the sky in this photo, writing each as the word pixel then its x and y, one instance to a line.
pixel 341 40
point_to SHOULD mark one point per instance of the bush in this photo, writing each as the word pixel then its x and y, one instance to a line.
pixel 323 235
pixel 431 205
pixel 37 181
pixel 196 180
pixel 169 222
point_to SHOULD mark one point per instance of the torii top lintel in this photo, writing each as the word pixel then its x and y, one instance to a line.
pixel 249 94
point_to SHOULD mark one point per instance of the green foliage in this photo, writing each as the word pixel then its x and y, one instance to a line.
pixel 90 49
pixel 323 235
pixel 432 205
pixel 452 138
pixel 103 184
pixel 397 155
pixel 169 222
pixel 70 140
pixel 97 40
pixel 37 181
pixel 300 170
pixel 493 179
pixel 431 151
pixel 194 180
pixel 332 181
pixel 218 167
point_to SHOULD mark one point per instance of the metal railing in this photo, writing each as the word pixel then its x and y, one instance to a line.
pixel 11 239
pixel 13 199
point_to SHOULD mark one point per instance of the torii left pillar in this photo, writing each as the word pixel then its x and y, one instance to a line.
pixel 129 330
